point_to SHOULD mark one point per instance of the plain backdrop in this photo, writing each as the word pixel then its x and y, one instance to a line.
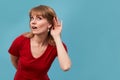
pixel 91 31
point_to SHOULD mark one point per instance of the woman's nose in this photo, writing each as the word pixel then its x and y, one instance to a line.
pixel 33 21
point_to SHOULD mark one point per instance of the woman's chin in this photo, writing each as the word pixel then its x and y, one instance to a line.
pixel 35 33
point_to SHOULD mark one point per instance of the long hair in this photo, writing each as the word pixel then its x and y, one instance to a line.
pixel 46 12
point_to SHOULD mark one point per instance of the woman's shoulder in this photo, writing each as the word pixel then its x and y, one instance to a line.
pixel 20 38
pixel 28 34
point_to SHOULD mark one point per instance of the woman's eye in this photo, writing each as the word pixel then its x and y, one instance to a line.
pixel 39 18
pixel 35 18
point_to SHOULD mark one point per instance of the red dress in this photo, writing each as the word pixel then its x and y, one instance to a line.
pixel 30 68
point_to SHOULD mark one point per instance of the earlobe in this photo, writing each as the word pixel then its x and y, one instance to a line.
pixel 49 26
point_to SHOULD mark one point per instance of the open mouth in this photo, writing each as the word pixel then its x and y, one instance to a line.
pixel 34 27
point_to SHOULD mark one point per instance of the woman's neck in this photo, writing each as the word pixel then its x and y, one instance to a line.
pixel 40 40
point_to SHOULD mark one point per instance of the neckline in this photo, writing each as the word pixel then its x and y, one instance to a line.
pixel 38 56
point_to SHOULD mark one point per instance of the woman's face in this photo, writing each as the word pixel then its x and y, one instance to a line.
pixel 38 24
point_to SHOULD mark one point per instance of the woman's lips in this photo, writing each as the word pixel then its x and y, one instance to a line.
pixel 34 27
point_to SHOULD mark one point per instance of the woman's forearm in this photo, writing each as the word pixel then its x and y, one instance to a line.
pixel 14 61
pixel 63 57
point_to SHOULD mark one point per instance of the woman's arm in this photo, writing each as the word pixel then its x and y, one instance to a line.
pixel 14 60
pixel 63 57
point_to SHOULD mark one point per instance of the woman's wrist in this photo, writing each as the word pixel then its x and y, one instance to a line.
pixel 57 39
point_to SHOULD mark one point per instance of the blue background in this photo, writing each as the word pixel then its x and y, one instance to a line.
pixel 91 30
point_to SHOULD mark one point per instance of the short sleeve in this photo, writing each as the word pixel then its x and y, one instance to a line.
pixel 64 47
pixel 15 46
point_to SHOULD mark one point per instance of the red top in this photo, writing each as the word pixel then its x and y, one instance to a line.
pixel 30 68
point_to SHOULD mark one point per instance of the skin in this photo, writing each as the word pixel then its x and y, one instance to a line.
pixel 39 27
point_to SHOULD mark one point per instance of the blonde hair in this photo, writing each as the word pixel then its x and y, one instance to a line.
pixel 45 12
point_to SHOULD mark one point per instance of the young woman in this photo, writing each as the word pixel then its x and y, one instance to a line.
pixel 32 53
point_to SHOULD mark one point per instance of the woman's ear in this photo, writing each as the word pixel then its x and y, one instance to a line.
pixel 49 26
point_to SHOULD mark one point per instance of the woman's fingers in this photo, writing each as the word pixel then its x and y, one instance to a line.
pixel 57 22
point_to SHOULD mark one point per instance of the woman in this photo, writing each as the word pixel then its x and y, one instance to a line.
pixel 32 53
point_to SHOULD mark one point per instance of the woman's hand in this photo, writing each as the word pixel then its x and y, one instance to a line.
pixel 57 28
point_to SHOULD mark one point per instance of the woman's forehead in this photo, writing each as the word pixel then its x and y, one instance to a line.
pixel 34 13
